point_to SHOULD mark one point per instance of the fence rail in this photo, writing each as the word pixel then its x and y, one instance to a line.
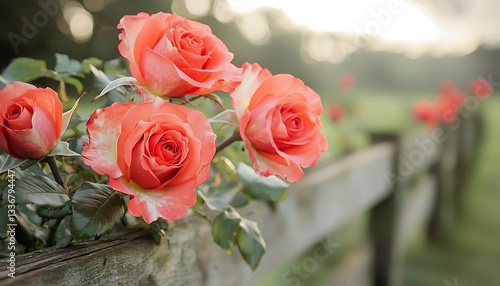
pixel 403 181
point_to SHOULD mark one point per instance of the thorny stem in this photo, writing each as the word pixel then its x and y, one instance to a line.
pixel 55 172
pixel 228 141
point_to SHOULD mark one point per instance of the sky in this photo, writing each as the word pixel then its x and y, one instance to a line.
pixel 412 27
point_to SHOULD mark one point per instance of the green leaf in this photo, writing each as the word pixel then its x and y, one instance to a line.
pixel 54 213
pixel 86 63
pixel 239 201
pixel 261 188
pixel 24 69
pixel 65 64
pixel 159 227
pixel 3 226
pixel 11 163
pixel 97 208
pixel 76 83
pixel 27 233
pixel 217 200
pixel 62 149
pixel 52 75
pixel 220 189
pixel 224 229
pixel 37 190
pixel 121 81
pixel 250 242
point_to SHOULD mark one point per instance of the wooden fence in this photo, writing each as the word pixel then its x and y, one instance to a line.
pixel 403 181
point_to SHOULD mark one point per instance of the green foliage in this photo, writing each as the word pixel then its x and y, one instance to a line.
pixel 229 228
pixel 97 208
pixel 62 149
pixel 10 163
pixel 75 208
pixel 250 242
pixel 24 69
pixel 261 188
pixel 224 228
pixel 54 213
pixel 38 190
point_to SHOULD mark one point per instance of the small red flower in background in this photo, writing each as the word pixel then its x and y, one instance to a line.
pixel 425 111
pixel 336 112
pixel 481 88
pixel 448 105
pixel 346 81
pixel 446 86
pixel 445 107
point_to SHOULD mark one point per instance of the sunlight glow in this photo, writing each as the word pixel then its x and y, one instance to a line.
pixel 398 25
pixel 79 20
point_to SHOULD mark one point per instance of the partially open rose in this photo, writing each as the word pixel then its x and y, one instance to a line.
pixel 173 56
pixel 31 120
pixel 279 122
pixel 157 152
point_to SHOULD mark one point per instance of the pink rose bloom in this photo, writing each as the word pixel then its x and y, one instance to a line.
pixel 156 152
pixel 31 120
pixel 279 122
pixel 172 56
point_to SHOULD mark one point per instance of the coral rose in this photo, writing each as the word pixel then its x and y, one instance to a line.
pixel 157 152
pixel 173 56
pixel 279 122
pixel 31 120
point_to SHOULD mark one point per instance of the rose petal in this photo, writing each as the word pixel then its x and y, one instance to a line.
pixel 14 90
pixel 36 142
pixel 251 78
pixel 104 128
pixel 168 203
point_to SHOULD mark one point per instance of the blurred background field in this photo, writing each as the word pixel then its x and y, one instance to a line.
pixel 452 39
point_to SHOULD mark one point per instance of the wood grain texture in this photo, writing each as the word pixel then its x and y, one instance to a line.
pixel 316 206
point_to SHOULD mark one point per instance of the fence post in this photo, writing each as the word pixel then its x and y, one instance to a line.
pixel 447 181
pixel 384 222
pixel 470 135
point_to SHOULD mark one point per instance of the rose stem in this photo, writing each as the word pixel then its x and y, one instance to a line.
pixel 55 172
pixel 234 137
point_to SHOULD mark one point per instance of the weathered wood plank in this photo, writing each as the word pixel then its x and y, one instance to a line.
pixel 321 202
pixel 420 149
pixel 417 210
pixel 127 258
pixel 315 207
